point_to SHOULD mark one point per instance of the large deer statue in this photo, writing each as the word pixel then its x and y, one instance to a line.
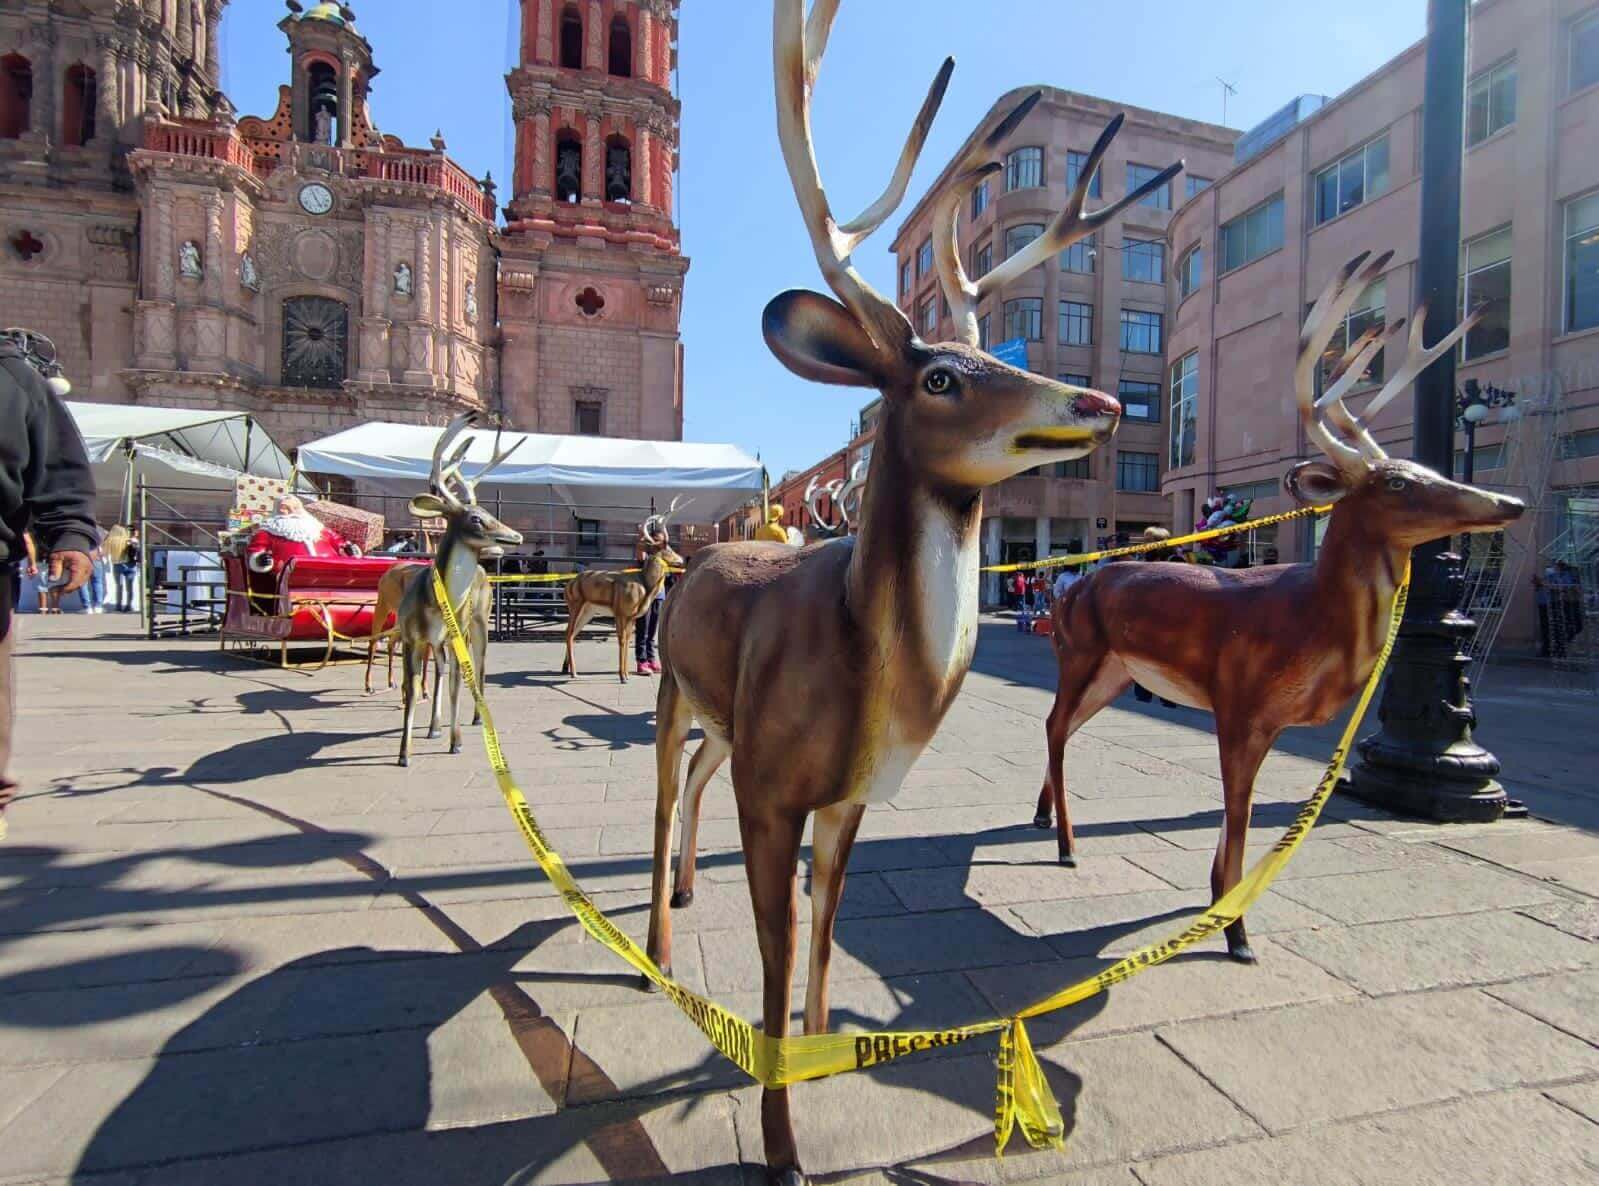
pixel 626 596
pixel 1266 648
pixel 470 531
pixel 825 670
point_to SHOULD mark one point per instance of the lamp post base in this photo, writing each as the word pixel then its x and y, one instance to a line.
pixel 1424 762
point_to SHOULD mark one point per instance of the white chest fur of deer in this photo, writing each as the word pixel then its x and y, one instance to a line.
pixel 1266 648
pixel 824 670
pixel 470 531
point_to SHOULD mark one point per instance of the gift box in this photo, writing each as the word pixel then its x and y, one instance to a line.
pixel 361 528
pixel 256 497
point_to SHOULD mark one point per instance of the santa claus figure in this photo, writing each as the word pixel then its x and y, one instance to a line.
pixel 291 532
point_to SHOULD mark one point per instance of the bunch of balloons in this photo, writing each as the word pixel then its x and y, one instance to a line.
pixel 1222 510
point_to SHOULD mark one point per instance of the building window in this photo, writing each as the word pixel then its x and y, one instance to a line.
pixel 621 55
pixel 77 110
pixel 1184 409
pixel 905 279
pixel 315 342
pixel 1144 260
pixel 927 318
pixel 1079 257
pixel 1190 272
pixel 568 167
pixel 588 417
pixel 1485 283
pixel 982 332
pixel 1141 331
pixel 1491 102
pixel 1076 324
pixel 1078 468
pixel 1137 472
pixel 571 38
pixel 1138 175
pixel 1018 237
pixel 1585 52
pixel 1074 380
pixel 16 96
pixel 589 538
pixel 1074 169
pixel 1140 400
pixel 924 258
pixel 979 199
pixel 1024 318
pixel 1024 169
pixel 1252 235
pixel 1369 309
pixel 1582 263
pixel 983 261
pixel 618 170
pixel 1359 177
pixel 1192 185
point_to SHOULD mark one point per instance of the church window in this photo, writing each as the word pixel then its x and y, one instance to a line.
pixel 621 48
pixel 568 168
pixel 323 111
pixel 618 170
pixel 571 38
pixel 16 96
pixel 77 112
pixel 316 334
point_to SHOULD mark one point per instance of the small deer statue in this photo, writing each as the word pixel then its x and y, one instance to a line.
pixel 391 590
pixel 825 670
pixel 470 531
pixel 1266 648
pixel 626 596
pixel 845 494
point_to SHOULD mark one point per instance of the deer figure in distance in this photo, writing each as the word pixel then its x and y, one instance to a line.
pixel 626 596
pixel 824 671
pixel 470 532
pixel 1266 648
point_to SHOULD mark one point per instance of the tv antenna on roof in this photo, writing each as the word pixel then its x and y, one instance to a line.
pixel 1227 88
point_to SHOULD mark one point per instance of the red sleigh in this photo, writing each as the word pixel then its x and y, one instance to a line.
pixel 325 600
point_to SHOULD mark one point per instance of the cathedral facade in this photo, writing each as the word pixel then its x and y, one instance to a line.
pixel 304 267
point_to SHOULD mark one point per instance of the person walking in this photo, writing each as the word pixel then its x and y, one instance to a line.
pixel 94 592
pixel 122 550
pixel 649 621
pixel 46 486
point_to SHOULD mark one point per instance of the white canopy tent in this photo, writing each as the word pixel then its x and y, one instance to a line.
pixel 594 476
pixel 200 451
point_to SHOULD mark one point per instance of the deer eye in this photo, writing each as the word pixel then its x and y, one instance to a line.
pixel 1397 483
pixel 939 381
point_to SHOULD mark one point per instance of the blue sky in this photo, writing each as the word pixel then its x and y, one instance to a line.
pixel 443 65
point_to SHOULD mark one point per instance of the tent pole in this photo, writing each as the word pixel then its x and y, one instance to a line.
pixel 249 438
pixel 127 482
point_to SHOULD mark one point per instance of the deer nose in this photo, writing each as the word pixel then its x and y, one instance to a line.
pixel 1095 403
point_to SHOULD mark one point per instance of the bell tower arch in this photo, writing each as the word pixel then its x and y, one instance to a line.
pixel 332 73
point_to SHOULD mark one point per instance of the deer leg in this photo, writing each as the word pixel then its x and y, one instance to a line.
pixel 621 647
pixel 455 706
pixel 831 840
pixel 438 685
pixel 672 721
pixel 408 692
pixel 371 656
pixel 711 754
pixel 771 853
pixel 480 662
pixel 1087 683
pixel 575 621
pixel 1243 748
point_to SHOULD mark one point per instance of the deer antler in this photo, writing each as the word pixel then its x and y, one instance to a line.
pixel 850 493
pixel 1070 225
pixel 655 525
pixel 445 473
pixel 1351 368
pixel 1325 316
pixel 797 48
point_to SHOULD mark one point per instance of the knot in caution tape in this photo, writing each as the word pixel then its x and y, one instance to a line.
pixel 1177 541
pixel 1022 1097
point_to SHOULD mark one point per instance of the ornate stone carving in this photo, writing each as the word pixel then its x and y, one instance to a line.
pixel 470 302
pixel 189 265
pixel 248 276
pixel 402 279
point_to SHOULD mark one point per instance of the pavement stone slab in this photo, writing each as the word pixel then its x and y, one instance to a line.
pixel 1120 923
pixel 1411 954
pixel 1508 1137
pixel 1386 895
pixel 1568 1001
pixel 1581 1098
pixel 958 886
pixel 1336 1060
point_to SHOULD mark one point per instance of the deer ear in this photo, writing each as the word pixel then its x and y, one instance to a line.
pixel 1316 483
pixel 427 506
pixel 819 339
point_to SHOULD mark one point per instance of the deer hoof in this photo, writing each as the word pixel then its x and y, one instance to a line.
pixel 792 1176
pixel 1043 820
pixel 1069 860
pixel 455 747
pixel 682 898
pixel 1242 953
pixel 647 985
pixel 405 761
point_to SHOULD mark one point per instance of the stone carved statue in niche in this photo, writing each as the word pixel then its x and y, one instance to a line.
pixel 322 126
pixel 402 279
pixel 248 276
pixel 471 302
pixel 189 260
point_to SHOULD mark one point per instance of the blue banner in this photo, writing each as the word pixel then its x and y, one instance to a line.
pixel 1013 352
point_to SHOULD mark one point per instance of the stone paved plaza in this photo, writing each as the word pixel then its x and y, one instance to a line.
pixel 238 945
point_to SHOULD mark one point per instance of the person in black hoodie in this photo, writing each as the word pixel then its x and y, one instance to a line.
pixel 46 487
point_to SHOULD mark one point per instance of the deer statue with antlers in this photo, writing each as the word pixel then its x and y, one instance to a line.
pixel 844 493
pixel 470 532
pixel 1266 648
pixel 825 670
pixel 626 596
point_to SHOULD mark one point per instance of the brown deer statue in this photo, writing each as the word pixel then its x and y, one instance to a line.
pixel 1266 648
pixel 825 670
pixel 844 493
pixel 626 596
pixel 391 589
pixel 470 532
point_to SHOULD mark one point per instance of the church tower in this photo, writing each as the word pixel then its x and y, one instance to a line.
pixel 591 274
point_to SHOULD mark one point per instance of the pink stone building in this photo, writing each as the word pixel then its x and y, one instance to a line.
pixel 1097 315
pixel 1253 250
pixel 306 268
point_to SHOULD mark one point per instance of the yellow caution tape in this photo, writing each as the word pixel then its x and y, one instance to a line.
pixel 1176 541
pixel 1023 1098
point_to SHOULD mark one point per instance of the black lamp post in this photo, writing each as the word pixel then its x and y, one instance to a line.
pixel 1423 760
